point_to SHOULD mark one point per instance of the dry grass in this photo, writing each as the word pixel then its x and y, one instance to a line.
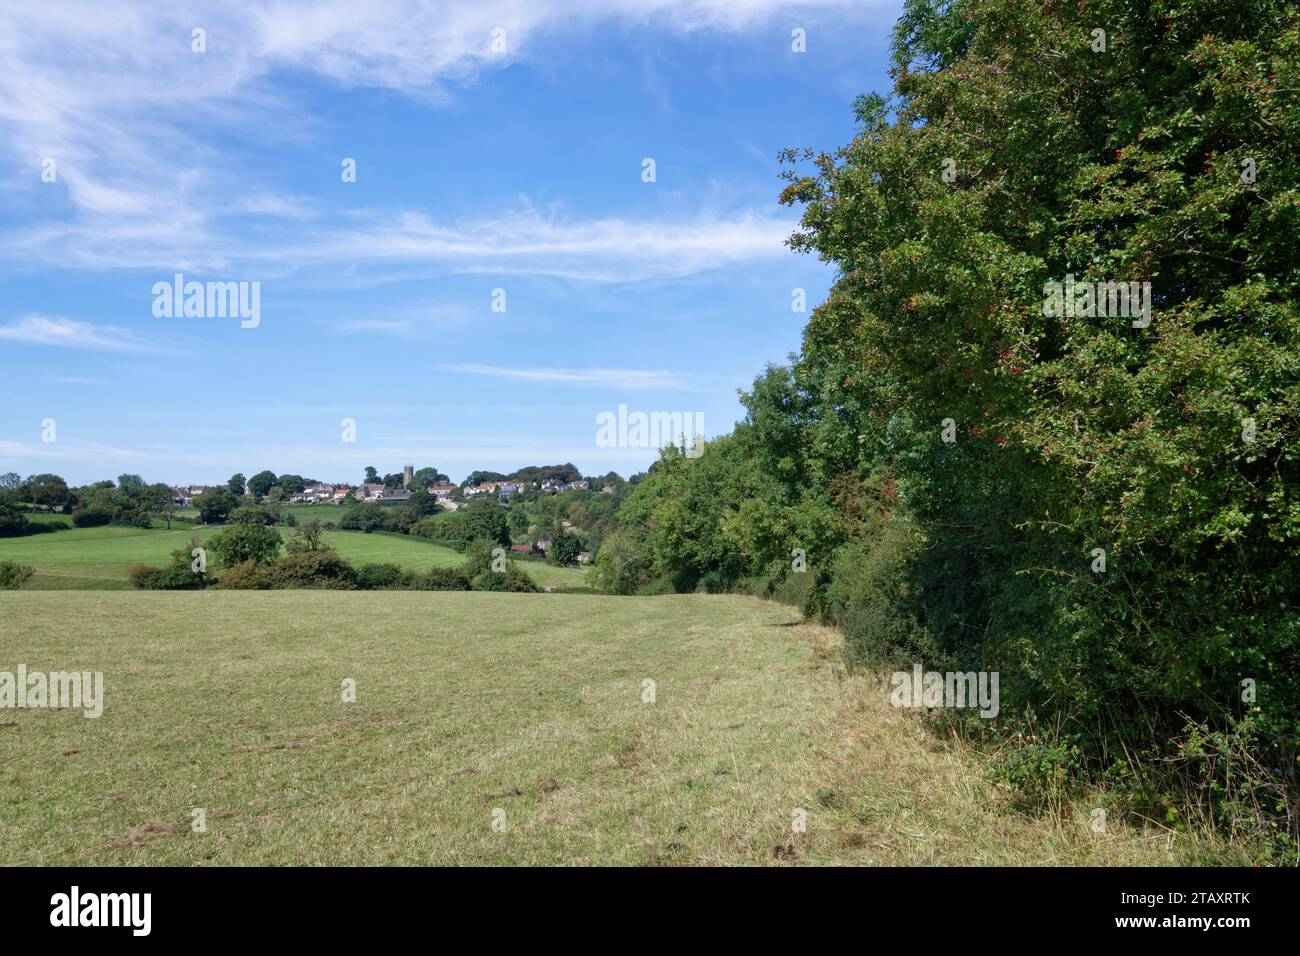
pixel 471 703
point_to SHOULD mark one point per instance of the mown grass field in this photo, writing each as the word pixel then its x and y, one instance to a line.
pixel 473 703
pixel 43 517
pixel 99 558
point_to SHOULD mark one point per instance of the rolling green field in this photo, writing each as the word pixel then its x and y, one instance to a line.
pixel 99 558
pixel 528 711
pixel 322 513
pixel 43 517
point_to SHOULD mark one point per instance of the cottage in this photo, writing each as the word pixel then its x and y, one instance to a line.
pixel 442 489
pixel 369 491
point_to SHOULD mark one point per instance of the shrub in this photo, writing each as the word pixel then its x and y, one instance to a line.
pixel 173 577
pixel 313 569
pixel 371 577
pixel 440 579
pixel 133 518
pixel 14 575
pixel 513 578
pixel 178 575
pixel 401 519
pixel 251 514
pixel 485 520
pixel 12 520
pixel 84 518
pixel 620 567
pixel 479 557
pixel 215 504
pixel 715 581
pixel 872 596
pixel 245 576
pixel 258 543
pixel 428 528
pixel 564 549
pixel 367 517
pixel 656 587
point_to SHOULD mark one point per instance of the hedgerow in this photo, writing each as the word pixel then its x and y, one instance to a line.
pixel 1104 509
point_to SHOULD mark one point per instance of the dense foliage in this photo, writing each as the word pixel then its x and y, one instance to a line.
pixel 952 455
pixel 14 575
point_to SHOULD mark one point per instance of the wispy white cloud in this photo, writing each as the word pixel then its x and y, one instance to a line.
pixel 70 333
pixel 603 250
pixel 584 377
pixel 113 93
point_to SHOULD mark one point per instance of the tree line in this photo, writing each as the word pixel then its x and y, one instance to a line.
pixel 1105 512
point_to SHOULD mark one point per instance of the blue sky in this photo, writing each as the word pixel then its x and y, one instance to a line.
pixel 476 170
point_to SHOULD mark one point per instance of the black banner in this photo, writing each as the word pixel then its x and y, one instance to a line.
pixel 303 905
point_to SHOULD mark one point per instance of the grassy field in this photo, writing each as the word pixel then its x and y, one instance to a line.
pixel 471 708
pixel 42 517
pixel 322 513
pixel 99 558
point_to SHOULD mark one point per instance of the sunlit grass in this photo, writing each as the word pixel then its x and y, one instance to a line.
pixel 470 703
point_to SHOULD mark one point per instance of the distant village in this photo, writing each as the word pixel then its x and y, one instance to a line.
pixel 449 496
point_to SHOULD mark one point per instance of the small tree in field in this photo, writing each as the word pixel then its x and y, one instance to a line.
pixel 158 499
pixel 310 536
pixel 246 542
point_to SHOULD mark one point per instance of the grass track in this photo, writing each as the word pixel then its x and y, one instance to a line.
pixel 475 702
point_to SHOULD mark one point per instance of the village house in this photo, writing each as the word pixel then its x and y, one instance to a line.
pixel 369 491
pixel 315 493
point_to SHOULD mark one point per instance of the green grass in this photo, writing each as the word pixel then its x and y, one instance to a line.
pixel 470 703
pixel 318 512
pixel 45 517
pixel 99 558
